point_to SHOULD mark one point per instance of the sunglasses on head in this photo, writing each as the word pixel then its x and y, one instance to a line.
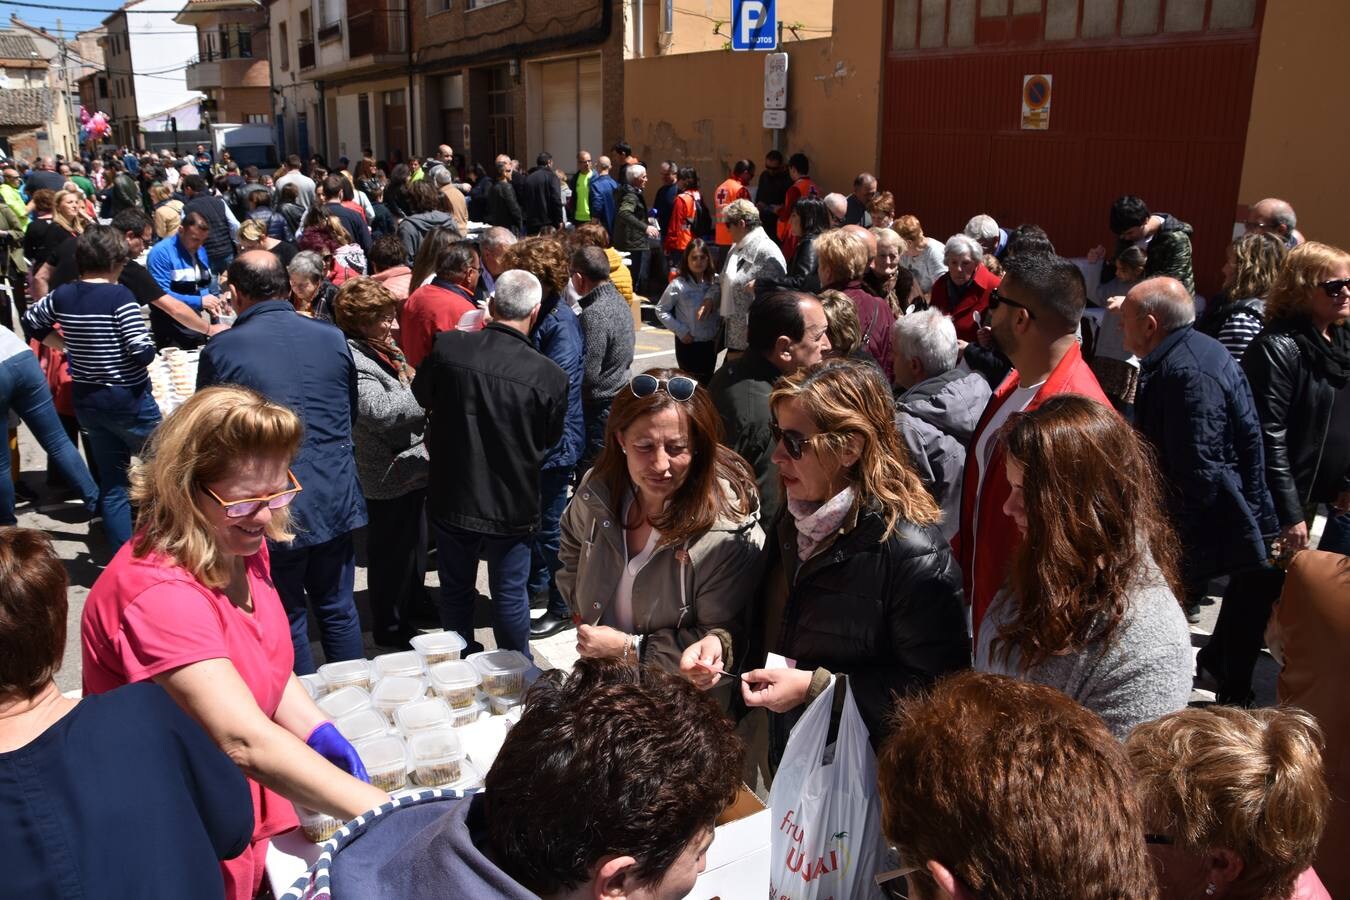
pixel 995 298
pixel 238 509
pixel 679 388
pixel 1335 286
pixel 794 443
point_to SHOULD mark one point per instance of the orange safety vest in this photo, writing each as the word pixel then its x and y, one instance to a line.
pixel 730 190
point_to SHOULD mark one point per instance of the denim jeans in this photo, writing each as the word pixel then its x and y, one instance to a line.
pixel 508 559
pixel 114 437
pixel 323 576
pixel 597 417
pixel 23 388
pixel 553 485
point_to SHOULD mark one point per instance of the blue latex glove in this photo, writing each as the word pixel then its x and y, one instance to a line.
pixel 329 743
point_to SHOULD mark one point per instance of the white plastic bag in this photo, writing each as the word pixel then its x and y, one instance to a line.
pixel 827 842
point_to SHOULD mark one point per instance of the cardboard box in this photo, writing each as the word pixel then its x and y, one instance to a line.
pixel 738 860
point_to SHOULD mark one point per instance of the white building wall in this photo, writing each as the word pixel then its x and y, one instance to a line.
pixel 160 50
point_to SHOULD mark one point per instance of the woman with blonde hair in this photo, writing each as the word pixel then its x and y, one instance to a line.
pixel 1090 605
pixel 253 236
pixel 1237 315
pixel 1234 802
pixel 189 604
pixel 168 211
pixel 842 260
pixel 858 579
pixel 68 220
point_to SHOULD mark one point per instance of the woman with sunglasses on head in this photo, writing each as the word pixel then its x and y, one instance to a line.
pixel 189 603
pixel 660 542
pixel 858 579
pixel 1299 371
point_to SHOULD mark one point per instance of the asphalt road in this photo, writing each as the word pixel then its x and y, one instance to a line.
pixel 85 552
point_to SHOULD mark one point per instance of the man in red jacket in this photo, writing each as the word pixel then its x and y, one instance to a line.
pixel 799 167
pixel 438 305
pixel 1033 318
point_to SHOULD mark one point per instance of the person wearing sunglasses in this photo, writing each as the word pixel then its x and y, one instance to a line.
pixel 660 544
pixel 858 579
pixel 1235 803
pixel 1299 371
pixel 1003 790
pixel 189 603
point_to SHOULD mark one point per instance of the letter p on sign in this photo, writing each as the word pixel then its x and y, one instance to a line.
pixel 754 25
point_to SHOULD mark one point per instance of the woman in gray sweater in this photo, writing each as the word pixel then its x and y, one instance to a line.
pixel 1090 606
pixel 391 457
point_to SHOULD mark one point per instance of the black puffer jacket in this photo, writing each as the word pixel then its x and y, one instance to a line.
pixel 1302 393
pixel 887 613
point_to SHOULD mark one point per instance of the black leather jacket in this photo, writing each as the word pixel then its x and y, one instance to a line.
pixel 888 614
pixel 1305 449
pixel 801 272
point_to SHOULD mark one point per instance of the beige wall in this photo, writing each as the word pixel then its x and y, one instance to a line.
pixel 1298 133
pixel 706 110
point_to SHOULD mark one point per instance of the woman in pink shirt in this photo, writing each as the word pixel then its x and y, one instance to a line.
pixel 189 603
pixel 1235 802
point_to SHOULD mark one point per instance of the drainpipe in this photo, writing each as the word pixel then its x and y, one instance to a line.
pixel 323 122
pixel 412 97
pixel 638 42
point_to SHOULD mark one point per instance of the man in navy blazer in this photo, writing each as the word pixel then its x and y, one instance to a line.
pixel 304 364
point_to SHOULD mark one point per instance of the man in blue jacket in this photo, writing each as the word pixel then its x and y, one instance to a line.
pixel 1195 406
pixel 304 364
pixel 602 189
pixel 181 269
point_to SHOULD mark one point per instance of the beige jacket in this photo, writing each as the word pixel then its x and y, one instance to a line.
pixel 682 594
pixel 459 207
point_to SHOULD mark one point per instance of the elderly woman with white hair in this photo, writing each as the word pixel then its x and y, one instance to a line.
pixel 753 255
pixel 963 291
pixel 938 402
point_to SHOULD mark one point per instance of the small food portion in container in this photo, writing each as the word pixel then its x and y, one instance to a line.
pixel 408 664
pixel 424 714
pixel 347 673
pixel 437 756
pixel 503 671
pixel 501 705
pixel 317 827
pixel 394 691
pixel 344 702
pixel 438 647
pixel 456 681
pixel 362 725
pixel 469 714
pixel 314 686
pixel 386 761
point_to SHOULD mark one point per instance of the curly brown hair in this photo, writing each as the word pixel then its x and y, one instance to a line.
pixel 361 302
pixel 44 200
pixel 1257 258
pixel 644 759
pixel 1096 527
pixel 1018 791
pixel 543 257
pixel 592 234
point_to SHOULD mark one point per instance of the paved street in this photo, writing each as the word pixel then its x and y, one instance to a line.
pixel 85 553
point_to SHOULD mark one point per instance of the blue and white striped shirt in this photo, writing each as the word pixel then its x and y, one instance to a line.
pixel 107 343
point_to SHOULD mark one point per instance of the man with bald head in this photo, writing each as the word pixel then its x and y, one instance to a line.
pixel 304 364
pixel 864 189
pixel 1275 216
pixel 44 175
pixel 837 207
pixel 1194 405
pixel 868 238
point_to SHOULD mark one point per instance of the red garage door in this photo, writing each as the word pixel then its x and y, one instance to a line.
pixel 1149 97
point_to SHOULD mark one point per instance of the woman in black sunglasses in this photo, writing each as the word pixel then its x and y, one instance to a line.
pixel 859 580
pixel 660 543
pixel 1299 371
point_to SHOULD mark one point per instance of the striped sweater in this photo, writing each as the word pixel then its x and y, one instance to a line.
pixel 107 343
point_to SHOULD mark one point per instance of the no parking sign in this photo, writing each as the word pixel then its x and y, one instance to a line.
pixel 1036 102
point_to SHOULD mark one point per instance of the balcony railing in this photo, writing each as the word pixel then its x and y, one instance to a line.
pixel 377 31
pixel 305 50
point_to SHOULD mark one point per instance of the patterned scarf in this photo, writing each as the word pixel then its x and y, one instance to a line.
pixel 817 521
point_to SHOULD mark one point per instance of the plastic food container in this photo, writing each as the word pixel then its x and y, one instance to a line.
pixel 394 691
pixel 438 647
pixel 407 663
pixel 468 714
pixel 456 681
pixel 362 725
pixel 344 702
pixel 386 760
pixel 317 827
pixel 348 673
pixel 437 755
pixel 314 684
pixel 503 671
pixel 500 705
pixel 420 716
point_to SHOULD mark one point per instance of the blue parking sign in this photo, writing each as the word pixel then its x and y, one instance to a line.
pixel 754 25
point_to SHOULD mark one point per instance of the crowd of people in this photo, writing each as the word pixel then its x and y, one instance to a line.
pixel 982 483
